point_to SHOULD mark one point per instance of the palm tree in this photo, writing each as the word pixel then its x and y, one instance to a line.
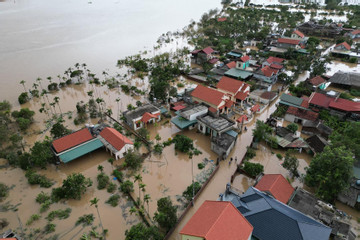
pixel 147 199
pixel 138 178
pixel 95 202
pixel 142 187
pixel 53 105
pixel 99 101
pixel 44 93
pixel 56 100
pixel 100 168
pixel 59 77
pixel 22 82
pixel 111 161
pixel 132 210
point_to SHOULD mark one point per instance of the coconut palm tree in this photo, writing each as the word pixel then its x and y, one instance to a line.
pixel 56 100
pixel 147 199
pixel 138 178
pixel 22 82
pixel 142 187
pixel 44 93
pixel 95 202
pixel 53 105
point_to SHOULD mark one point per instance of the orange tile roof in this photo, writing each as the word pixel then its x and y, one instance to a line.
pixel 216 220
pixel 357 31
pixel 241 95
pixel 208 95
pixel 229 84
pixel 245 58
pixel 345 44
pixel 277 185
pixel 242 118
pixel 255 108
pixel 316 81
pixel 116 139
pixel 300 34
pixel 72 140
pixel 289 41
pixel 223 19
pixel 275 59
pixel 147 116
pixel 268 71
pixel 229 103
pixel 231 64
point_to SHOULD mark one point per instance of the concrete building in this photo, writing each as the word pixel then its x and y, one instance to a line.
pixel 142 115
pixel 115 142
pixel 186 118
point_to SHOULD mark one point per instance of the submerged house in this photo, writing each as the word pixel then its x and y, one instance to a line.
pixel 115 142
pixel 202 55
pixel 341 50
pixel 288 43
pixel 273 219
pixel 313 207
pixel 355 35
pixel 267 76
pixel 217 220
pixel 237 90
pixel 75 145
pixel 186 117
pixel 142 115
pixel 223 138
pixel 346 80
pixel 211 97
pixel 317 82
pixel 301 116
pixel 331 30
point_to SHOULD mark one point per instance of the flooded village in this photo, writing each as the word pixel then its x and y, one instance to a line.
pixel 244 124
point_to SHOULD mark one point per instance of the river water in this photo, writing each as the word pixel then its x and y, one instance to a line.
pixel 42 38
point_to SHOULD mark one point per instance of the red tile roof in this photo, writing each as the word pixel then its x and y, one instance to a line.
pixel 213 60
pixel 223 19
pixel 229 84
pixel 72 140
pixel 116 139
pixel 276 66
pixel 229 103
pixel 196 51
pixel 208 95
pixel 300 34
pixel 301 113
pixel 357 31
pixel 178 107
pixel 345 44
pixel 316 81
pixel 305 104
pixel 268 71
pixel 208 50
pixel 245 58
pixel 241 95
pixel 231 64
pixel 216 220
pixel 255 108
pixel 147 116
pixel 277 185
pixel 345 105
pixel 242 118
pixel 211 109
pixel 320 100
pixel 289 41
pixel 268 95
pixel 275 59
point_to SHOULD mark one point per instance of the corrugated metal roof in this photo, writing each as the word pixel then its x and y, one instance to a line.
pixel 80 150
pixel 182 123
pixel 238 73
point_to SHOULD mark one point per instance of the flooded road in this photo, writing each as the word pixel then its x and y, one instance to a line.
pixel 41 38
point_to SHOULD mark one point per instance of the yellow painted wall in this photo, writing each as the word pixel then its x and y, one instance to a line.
pixel 187 237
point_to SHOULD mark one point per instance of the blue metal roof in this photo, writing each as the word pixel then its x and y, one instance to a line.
pixel 182 123
pixel 163 110
pixel 234 54
pixel 272 219
pixel 232 133
pixel 80 150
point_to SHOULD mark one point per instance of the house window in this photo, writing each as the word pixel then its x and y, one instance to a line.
pixel 201 128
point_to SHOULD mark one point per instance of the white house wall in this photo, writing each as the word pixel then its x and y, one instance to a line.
pixel 120 154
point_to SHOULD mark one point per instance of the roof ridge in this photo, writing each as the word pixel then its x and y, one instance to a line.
pixel 217 219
